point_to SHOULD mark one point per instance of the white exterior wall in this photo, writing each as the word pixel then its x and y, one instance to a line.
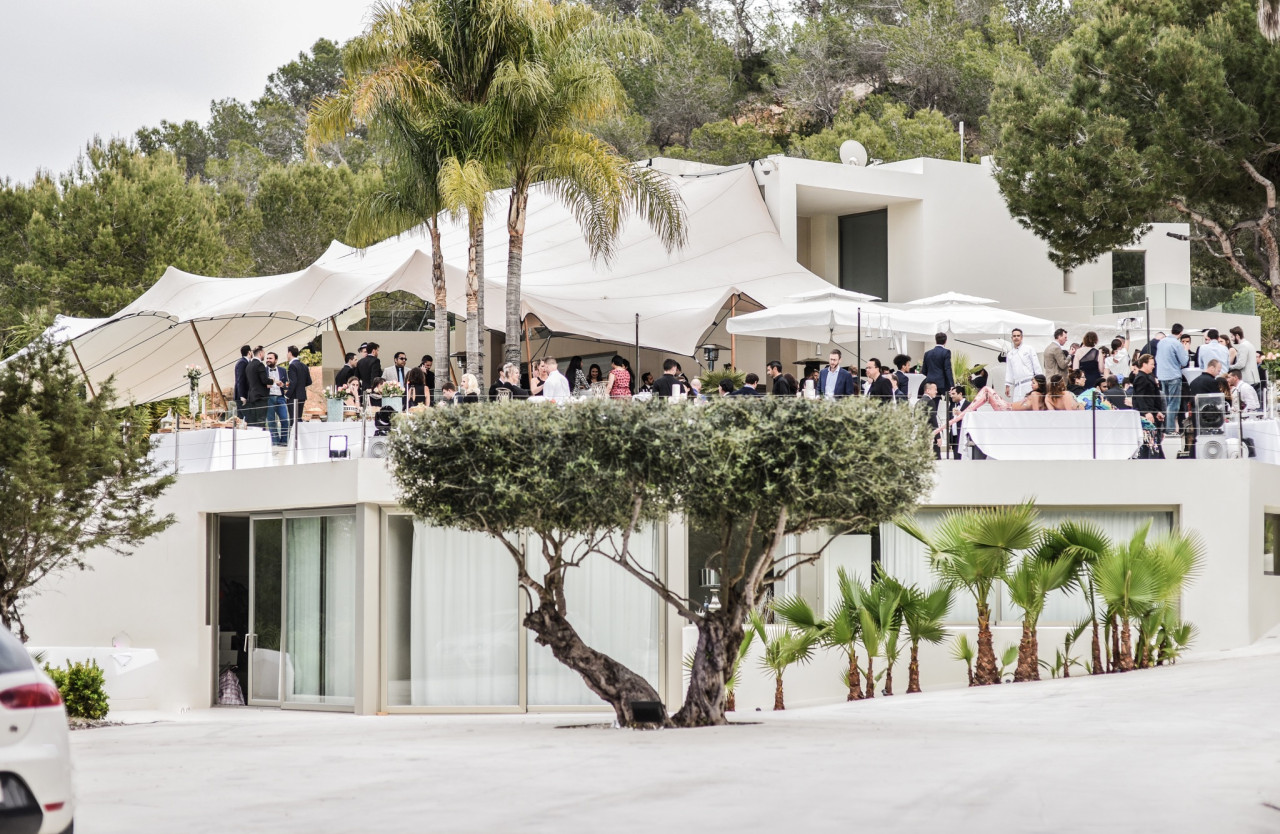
pixel 160 595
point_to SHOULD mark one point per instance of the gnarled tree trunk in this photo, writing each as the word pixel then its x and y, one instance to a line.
pixel 603 675
pixel 719 634
pixel 913 670
pixel 1028 653
pixel 987 672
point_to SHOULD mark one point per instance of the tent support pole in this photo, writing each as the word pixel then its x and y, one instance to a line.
pixel 733 337
pixel 333 321
pixel 72 345
pixel 637 347
pixel 205 354
pixel 858 375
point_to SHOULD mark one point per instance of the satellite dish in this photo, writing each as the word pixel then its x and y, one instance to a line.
pixel 852 153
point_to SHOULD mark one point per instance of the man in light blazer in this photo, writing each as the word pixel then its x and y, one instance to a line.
pixel 834 382
pixel 936 365
pixel 1056 358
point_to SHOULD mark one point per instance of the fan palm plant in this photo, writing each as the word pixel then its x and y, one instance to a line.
pixel 785 648
pixel 1042 571
pixel 839 631
pixel 880 623
pixel 546 145
pixel 922 615
pixel 971 549
pixel 965 651
pixel 1085 543
pixel 1137 578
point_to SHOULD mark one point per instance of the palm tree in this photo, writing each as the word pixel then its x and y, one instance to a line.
pixel 545 143
pixel 840 631
pixel 965 651
pixel 1044 570
pixel 922 614
pixel 1086 543
pixel 1137 578
pixel 880 622
pixel 424 76
pixel 784 649
pixel 731 683
pixel 971 549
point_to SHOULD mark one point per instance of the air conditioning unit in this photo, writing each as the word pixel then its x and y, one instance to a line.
pixel 1218 447
pixel 378 447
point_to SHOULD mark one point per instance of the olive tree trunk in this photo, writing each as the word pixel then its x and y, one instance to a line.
pixel 719 634
pixel 606 677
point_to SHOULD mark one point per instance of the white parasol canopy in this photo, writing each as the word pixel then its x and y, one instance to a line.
pixel 977 319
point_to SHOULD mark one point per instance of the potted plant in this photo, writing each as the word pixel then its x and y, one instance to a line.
pixel 336 398
pixel 393 395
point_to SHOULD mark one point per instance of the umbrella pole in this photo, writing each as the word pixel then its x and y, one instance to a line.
pixel 733 337
pixel 333 320
pixel 637 370
pixel 72 345
pixel 858 375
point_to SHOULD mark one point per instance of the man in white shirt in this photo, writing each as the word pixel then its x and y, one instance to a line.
pixel 556 388
pixel 1247 397
pixel 1021 365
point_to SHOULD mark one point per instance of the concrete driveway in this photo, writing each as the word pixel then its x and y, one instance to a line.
pixel 1195 747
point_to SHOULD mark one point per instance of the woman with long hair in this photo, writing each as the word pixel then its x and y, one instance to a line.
pixel 594 375
pixel 1033 401
pixel 619 378
pixel 1089 360
pixel 416 391
pixel 1058 398
pixel 576 376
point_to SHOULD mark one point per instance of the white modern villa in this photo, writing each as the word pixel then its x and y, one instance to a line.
pixel 302 576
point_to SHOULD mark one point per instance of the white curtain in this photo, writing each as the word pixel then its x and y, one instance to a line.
pixel 907 560
pixel 340 609
pixel 612 612
pixel 302 619
pixel 321 619
pixel 463 620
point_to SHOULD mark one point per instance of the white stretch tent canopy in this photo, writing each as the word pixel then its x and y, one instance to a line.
pixel 733 248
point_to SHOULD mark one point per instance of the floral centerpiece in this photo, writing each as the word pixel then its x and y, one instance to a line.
pixel 193 374
pixel 1271 361
pixel 392 389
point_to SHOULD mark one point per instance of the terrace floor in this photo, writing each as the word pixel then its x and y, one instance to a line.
pixel 1188 748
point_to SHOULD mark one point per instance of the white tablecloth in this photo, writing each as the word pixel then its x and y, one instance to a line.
pixel 313 439
pixel 1053 435
pixel 1265 435
pixel 914 381
pixel 209 450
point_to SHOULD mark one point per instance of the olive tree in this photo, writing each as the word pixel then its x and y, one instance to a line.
pixel 569 478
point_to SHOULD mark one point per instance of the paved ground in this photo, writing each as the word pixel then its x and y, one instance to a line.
pixel 1190 748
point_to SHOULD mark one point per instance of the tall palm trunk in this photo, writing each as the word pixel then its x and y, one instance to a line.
pixel 1113 626
pixel 987 672
pixel 515 263
pixel 855 679
pixel 778 702
pixel 442 314
pixel 871 677
pixel 1098 668
pixel 1028 652
pixel 913 670
pixel 888 678
pixel 475 292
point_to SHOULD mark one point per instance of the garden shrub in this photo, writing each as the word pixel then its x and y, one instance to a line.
pixel 82 687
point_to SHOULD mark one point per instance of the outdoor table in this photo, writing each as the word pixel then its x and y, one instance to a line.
pixel 1265 435
pixel 210 450
pixel 1053 435
pixel 313 439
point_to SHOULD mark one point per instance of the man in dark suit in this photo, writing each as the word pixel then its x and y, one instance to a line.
pixel 369 368
pixel 930 404
pixel 936 365
pixel 670 378
pixel 781 388
pixel 880 387
pixel 902 363
pixel 295 393
pixel 834 382
pixel 346 372
pixel 958 403
pixel 749 387
pixel 1207 382
pixel 257 380
pixel 241 364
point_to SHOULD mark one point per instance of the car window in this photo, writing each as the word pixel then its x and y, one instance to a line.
pixel 13 656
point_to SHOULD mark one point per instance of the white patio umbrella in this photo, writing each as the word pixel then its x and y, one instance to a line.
pixel 824 315
pixel 970 316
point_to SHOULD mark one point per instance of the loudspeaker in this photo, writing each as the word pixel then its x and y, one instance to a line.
pixel 1211 413
pixel 379 447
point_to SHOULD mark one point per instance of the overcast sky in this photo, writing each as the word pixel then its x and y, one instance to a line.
pixel 77 68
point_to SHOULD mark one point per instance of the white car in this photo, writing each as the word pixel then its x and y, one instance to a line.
pixel 35 750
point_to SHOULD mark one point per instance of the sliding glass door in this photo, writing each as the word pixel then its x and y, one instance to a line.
pixel 302 618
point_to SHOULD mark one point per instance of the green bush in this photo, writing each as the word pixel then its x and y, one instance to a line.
pixel 81 685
